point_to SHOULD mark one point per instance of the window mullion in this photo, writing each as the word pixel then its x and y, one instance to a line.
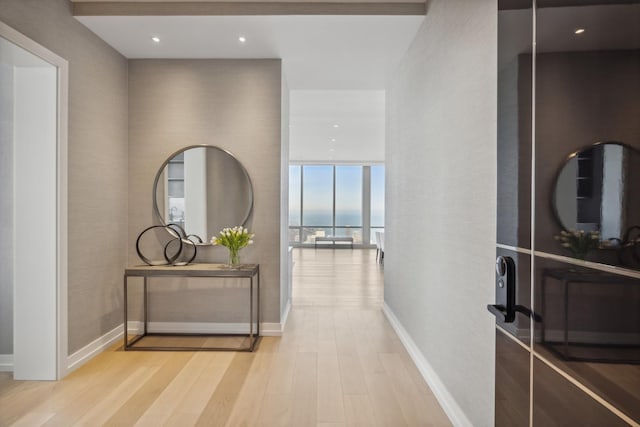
pixel 366 205
pixel 300 231
pixel 333 228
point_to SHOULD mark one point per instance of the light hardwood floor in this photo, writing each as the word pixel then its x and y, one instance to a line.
pixel 339 363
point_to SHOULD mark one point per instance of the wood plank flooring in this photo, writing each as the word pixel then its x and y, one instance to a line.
pixel 339 363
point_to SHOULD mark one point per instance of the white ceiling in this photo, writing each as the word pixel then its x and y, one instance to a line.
pixel 318 52
pixel 335 66
pixel 337 126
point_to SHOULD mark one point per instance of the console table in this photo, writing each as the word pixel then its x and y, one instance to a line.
pixel 212 271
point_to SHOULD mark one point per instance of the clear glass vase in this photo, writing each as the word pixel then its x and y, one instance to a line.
pixel 234 257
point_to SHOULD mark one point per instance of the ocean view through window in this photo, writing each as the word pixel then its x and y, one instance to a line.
pixel 335 200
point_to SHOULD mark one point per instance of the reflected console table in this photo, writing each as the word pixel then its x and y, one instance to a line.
pixel 211 271
pixel 575 277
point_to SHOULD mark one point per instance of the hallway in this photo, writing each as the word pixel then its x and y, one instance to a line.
pixel 338 278
pixel 339 363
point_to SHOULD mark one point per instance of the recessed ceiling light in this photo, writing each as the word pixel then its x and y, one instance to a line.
pixel 332 150
pixel 579 31
pixel 156 39
pixel 242 39
pixel 336 125
pixel 333 140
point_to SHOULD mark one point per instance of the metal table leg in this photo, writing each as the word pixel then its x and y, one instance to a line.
pixel 251 342
pixel 543 286
pixel 126 322
pixel 258 298
pixel 144 330
pixel 565 284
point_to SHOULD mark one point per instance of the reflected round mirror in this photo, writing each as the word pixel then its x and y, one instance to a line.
pixel 203 189
pixel 598 189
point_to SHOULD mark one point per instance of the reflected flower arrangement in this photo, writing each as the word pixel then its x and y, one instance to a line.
pixel 579 242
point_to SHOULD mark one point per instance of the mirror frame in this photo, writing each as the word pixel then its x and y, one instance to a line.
pixel 571 156
pixel 205 242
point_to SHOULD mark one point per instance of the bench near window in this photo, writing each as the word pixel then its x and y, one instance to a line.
pixel 333 239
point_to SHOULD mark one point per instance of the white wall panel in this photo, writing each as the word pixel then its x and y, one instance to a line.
pixel 35 213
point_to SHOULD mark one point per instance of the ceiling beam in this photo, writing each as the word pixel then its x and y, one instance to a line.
pixel 217 8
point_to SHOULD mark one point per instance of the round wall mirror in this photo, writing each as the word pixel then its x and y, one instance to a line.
pixel 597 190
pixel 203 189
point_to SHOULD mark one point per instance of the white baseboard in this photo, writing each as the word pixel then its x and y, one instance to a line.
pixel 86 353
pixel 285 315
pixel 6 362
pixel 276 329
pixel 134 328
pixel 199 328
pixel 456 415
pixel 266 329
pixel 271 329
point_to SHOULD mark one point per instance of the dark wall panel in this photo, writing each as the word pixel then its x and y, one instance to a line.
pixel 557 402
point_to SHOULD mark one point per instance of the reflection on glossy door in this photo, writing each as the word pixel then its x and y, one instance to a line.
pixel 512 382
pixel 587 102
pixel 580 84
pixel 513 338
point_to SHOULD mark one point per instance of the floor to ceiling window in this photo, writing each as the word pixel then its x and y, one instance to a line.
pixel 335 200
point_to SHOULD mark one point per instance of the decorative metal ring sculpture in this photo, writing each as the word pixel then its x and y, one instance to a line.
pixel 180 236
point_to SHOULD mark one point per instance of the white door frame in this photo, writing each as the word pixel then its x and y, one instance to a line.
pixel 60 302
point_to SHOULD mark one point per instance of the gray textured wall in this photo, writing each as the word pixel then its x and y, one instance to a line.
pixel 6 209
pixel 285 262
pixel 233 104
pixel 97 194
pixel 441 197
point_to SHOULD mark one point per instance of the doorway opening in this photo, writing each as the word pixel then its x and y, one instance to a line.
pixel 336 196
pixel 33 151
